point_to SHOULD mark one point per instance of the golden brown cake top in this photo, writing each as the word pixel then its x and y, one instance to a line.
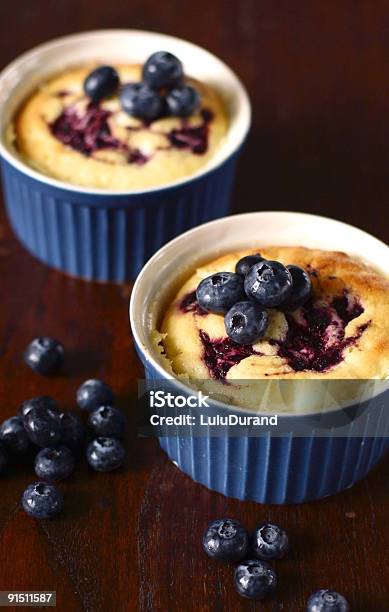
pixel 341 333
pixel 59 132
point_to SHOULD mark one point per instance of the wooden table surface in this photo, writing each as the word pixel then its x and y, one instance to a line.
pixel 318 76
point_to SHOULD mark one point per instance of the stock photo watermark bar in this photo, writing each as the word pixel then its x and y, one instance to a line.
pixel 351 408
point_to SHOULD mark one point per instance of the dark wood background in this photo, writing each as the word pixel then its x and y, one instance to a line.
pixel 318 76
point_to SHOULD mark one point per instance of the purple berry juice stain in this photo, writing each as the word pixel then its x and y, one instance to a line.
pixel 189 303
pixel 194 139
pixel 90 132
pixel 306 346
pixel 85 133
pixel 222 354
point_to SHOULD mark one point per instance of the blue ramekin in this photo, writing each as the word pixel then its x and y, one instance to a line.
pixel 108 235
pixel 272 469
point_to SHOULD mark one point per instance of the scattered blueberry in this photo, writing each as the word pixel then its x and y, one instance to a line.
pixel 14 436
pixel 3 456
pixel 139 100
pixel 101 83
pixel 225 539
pixel 269 541
pixel 183 101
pixel 44 355
pixel 42 500
pixel 255 579
pixel 217 293
pixel 54 463
pixel 327 601
pixel 43 426
pixel 107 421
pixel 162 69
pixel 246 322
pixel 244 264
pixel 301 290
pixel 94 393
pixel 105 454
pixel 269 283
pixel 72 430
pixel 37 402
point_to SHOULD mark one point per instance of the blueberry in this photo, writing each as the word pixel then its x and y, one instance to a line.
pixel 269 541
pixel 105 454
pixel 246 322
pixel 42 500
pixel 101 83
pixel 14 436
pixel 94 393
pixel 327 601
pixel 54 463
pixel 72 430
pixel 244 264
pixel 183 101
pixel 36 402
pixel 217 293
pixel 3 456
pixel 43 426
pixel 301 289
pixel 162 69
pixel 141 101
pixel 225 539
pixel 269 283
pixel 107 421
pixel 44 355
pixel 255 579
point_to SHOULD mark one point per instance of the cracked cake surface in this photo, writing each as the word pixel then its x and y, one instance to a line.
pixel 341 333
pixel 61 133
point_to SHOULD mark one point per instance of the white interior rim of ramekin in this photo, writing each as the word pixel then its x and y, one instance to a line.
pixel 25 73
pixel 248 230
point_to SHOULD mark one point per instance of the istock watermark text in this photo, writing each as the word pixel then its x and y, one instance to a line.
pixel 161 399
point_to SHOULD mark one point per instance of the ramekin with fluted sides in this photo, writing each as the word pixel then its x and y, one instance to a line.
pixel 275 469
pixel 108 235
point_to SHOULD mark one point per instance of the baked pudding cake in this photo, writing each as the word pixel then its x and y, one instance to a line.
pixel 138 134
pixel 340 332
